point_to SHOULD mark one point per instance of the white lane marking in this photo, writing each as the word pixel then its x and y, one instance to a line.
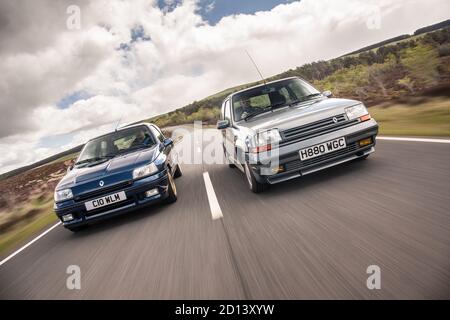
pixel 12 255
pixel 216 212
pixel 414 139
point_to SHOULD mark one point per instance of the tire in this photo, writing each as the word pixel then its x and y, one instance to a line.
pixel 172 190
pixel 253 184
pixel 76 229
pixel 178 173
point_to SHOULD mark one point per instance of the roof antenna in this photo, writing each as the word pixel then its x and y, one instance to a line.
pixel 256 67
pixel 118 122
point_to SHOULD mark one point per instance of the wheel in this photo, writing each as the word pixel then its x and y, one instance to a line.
pixel 172 190
pixel 76 229
pixel 253 184
pixel 178 173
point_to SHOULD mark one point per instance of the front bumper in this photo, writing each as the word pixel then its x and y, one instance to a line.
pixel 288 158
pixel 136 199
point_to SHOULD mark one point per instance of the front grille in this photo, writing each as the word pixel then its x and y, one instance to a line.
pixel 103 191
pixel 316 128
pixel 298 164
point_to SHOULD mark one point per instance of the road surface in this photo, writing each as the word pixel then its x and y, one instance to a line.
pixel 307 238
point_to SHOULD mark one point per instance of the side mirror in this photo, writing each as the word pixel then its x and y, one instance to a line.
pixel 167 142
pixel 327 94
pixel 223 124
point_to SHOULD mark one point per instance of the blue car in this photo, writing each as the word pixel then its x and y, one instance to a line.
pixel 124 170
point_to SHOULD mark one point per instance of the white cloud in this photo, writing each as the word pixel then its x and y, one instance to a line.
pixel 186 59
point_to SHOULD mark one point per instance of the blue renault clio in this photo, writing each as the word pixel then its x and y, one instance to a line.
pixel 127 169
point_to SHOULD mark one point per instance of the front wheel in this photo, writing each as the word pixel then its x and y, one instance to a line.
pixel 178 173
pixel 172 189
pixel 253 184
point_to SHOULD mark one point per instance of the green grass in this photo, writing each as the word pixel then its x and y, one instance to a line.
pixel 428 118
pixel 13 238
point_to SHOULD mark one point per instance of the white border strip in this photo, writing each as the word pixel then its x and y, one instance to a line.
pixel 12 255
pixel 414 139
pixel 216 212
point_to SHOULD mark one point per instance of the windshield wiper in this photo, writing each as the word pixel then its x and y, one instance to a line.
pixel 265 109
pixel 95 159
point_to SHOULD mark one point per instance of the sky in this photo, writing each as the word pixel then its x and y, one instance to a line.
pixel 71 68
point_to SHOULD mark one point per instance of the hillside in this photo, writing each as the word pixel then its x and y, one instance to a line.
pixel 401 67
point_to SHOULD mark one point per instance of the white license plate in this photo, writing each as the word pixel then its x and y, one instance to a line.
pixel 105 201
pixel 322 148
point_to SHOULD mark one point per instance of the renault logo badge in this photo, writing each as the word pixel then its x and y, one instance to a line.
pixel 335 120
pixel 101 183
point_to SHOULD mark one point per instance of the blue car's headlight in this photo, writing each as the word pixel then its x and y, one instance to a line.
pixel 144 171
pixel 62 195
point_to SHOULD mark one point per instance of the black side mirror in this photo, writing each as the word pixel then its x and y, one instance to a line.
pixel 167 142
pixel 223 124
pixel 327 94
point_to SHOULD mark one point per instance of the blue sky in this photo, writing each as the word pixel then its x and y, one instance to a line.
pixel 213 10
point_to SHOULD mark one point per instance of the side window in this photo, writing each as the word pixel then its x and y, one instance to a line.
pixel 227 110
pixel 157 133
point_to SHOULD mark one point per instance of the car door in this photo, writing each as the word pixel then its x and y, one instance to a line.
pixel 165 149
pixel 228 134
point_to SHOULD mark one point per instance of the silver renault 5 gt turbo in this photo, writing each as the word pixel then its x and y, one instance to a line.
pixel 286 129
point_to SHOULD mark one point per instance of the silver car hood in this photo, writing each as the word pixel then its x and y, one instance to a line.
pixel 304 113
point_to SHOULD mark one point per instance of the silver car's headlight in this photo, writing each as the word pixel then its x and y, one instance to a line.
pixel 62 195
pixel 144 171
pixel 356 111
pixel 267 137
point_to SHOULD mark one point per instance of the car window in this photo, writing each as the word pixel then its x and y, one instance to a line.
pixel 227 111
pixel 117 142
pixel 158 134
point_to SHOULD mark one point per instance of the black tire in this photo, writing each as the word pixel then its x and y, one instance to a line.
pixel 172 190
pixel 76 229
pixel 253 184
pixel 178 173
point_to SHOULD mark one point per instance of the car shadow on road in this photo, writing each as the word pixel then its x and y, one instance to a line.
pixel 122 220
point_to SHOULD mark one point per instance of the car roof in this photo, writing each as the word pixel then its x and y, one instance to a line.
pixel 125 127
pixel 260 85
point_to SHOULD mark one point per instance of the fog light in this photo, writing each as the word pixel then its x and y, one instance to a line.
pixel 277 169
pixel 67 217
pixel 365 142
pixel 151 193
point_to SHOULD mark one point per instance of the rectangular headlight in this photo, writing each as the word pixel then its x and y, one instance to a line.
pixel 356 111
pixel 267 137
pixel 62 195
pixel 145 171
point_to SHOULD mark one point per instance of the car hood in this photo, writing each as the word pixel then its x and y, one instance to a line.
pixel 290 117
pixel 115 166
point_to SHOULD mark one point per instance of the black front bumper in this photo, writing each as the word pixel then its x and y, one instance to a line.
pixel 293 167
pixel 136 199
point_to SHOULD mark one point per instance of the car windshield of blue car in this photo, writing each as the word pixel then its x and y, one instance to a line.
pixel 103 148
pixel 252 102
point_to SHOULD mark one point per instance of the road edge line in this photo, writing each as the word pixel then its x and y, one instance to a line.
pixel 12 255
pixel 413 139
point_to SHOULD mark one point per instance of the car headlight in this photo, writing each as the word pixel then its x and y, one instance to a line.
pixel 267 137
pixel 62 195
pixel 144 171
pixel 356 111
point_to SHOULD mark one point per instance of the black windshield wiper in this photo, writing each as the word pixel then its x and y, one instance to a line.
pixel 266 109
pixel 95 159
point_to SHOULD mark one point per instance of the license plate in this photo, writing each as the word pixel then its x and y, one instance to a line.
pixel 322 148
pixel 105 201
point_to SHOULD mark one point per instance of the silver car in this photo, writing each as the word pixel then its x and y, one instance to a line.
pixel 286 129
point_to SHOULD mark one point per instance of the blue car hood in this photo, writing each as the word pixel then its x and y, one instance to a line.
pixel 121 166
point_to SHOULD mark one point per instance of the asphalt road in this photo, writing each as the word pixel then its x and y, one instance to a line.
pixel 307 238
